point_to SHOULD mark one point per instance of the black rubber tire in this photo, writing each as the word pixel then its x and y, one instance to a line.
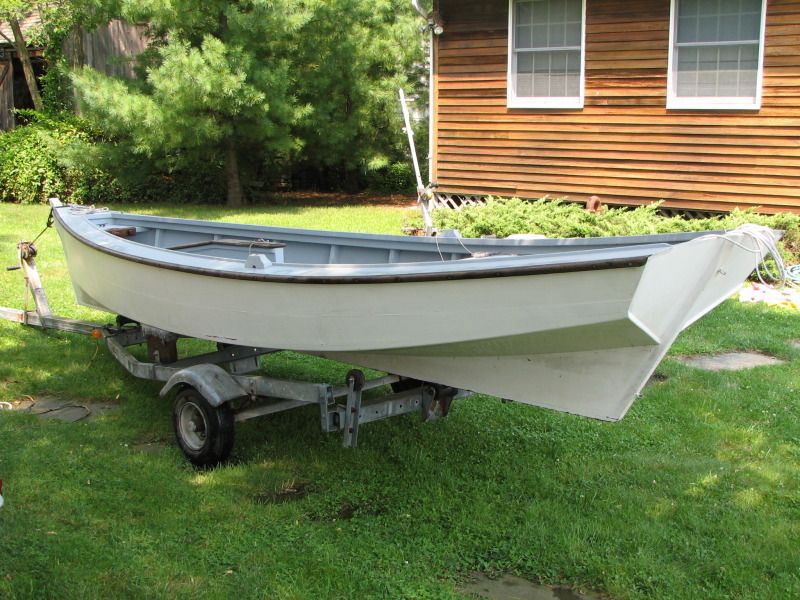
pixel 358 379
pixel 212 441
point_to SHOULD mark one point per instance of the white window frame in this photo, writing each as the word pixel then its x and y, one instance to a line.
pixel 514 101
pixel 711 102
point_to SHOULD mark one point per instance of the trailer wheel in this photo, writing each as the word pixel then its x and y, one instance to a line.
pixel 204 432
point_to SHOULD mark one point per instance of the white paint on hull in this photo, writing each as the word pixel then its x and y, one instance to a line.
pixel 583 342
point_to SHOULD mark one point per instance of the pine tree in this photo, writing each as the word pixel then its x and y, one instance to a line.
pixel 216 83
pixel 254 81
pixel 351 58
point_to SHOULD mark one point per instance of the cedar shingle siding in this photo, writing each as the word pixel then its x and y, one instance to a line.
pixel 623 145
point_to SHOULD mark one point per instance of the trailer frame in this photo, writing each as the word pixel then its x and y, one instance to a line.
pixel 216 389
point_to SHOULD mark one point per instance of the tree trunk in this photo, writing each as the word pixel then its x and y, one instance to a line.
pixel 77 56
pixel 27 67
pixel 235 198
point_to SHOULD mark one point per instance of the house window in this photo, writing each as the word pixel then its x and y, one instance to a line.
pixel 546 48
pixel 716 54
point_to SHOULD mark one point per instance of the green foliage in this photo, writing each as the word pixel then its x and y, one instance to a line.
pixel 349 59
pixel 394 177
pixel 31 169
pixel 309 87
pixel 554 218
pixel 216 85
pixel 63 156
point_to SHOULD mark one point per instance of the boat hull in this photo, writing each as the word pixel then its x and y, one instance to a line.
pixel 583 342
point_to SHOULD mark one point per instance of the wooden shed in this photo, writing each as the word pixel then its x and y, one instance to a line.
pixel 111 49
pixel 13 89
pixel 694 102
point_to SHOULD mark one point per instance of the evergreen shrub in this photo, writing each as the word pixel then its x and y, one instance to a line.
pixel 31 167
pixel 396 177
pixel 62 156
pixel 556 218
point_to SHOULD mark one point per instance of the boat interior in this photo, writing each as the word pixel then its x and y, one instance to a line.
pixel 300 246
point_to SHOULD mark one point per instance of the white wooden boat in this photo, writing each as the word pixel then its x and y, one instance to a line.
pixel 576 325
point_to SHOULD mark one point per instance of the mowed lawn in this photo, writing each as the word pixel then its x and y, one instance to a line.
pixel 695 494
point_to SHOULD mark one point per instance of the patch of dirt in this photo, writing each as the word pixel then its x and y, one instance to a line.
pixel 348 510
pixel 657 378
pixel 730 361
pixel 289 493
pixel 795 344
pixel 511 587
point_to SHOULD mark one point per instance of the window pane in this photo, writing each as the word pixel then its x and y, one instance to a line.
pixel 573 10
pixel 524 13
pixel 689 8
pixel 556 23
pixel 729 27
pixel 539 36
pixel 523 39
pixel 750 6
pixel 687 29
pixel 541 25
pixel 718 20
pixel 555 74
pixel 708 7
pixel 556 36
pixel 541 75
pixel 573 37
pixel 708 29
pixel 557 11
pixel 718 71
pixel 707 63
pixel 750 26
pixel 524 75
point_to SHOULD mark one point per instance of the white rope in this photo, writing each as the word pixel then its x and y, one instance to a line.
pixel 766 245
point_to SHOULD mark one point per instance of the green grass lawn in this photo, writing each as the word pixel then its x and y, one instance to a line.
pixel 695 494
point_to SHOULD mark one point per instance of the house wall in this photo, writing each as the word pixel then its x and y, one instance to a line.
pixel 624 145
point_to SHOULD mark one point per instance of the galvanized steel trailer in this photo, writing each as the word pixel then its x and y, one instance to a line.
pixel 217 389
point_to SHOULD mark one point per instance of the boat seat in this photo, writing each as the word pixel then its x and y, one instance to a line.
pixel 239 243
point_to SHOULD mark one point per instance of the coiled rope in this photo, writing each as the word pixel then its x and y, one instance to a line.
pixel 766 246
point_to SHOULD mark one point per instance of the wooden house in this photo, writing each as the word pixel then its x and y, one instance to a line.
pixel 694 102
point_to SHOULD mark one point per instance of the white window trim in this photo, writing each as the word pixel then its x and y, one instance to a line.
pixel 513 101
pixel 712 102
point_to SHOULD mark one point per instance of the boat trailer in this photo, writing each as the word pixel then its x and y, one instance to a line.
pixel 217 389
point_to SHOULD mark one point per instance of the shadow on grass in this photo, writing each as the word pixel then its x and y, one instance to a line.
pixel 693 494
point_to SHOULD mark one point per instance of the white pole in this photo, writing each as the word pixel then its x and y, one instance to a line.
pixel 431 94
pixel 421 191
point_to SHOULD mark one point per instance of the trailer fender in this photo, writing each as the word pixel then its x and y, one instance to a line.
pixel 214 383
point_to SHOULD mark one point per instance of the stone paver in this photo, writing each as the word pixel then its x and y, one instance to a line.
pixel 731 361
pixel 69 411
pixel 510 587
pixel 796 344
